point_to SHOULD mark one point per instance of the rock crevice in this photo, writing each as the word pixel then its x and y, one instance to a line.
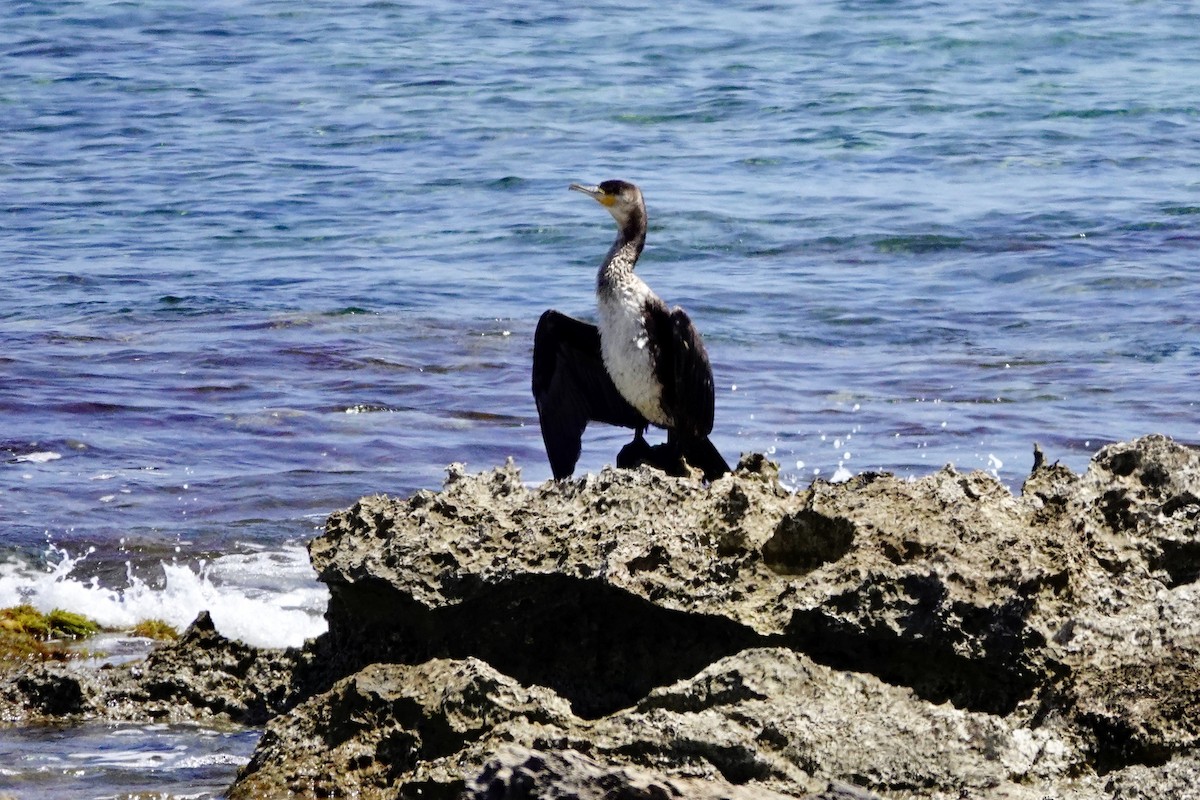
pixel 631 635
pixel 1003 613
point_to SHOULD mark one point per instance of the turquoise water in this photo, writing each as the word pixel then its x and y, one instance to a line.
pixel 263 258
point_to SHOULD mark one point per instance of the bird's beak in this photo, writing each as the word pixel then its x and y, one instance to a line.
pixel 596 193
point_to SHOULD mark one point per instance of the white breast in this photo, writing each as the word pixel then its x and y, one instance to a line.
pixel 625 346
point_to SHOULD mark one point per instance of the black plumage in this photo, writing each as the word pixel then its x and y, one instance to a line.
pixel 572 388
pixel 572 385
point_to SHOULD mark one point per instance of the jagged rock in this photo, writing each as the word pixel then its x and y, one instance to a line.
pixel 389 727
pixel 202 675
pixel 52 693
pixel 775 717
pixel 1128 634
pixel 646 635
pixel 208 672
pixel 424 730
pixel 1012 608
pixel 517 773
pixel 759 724
pixel 1178 779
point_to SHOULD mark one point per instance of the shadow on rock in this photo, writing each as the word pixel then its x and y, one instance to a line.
pixel 598 646
pixel 935 638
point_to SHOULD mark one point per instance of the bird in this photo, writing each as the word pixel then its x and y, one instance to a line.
pixel 644 363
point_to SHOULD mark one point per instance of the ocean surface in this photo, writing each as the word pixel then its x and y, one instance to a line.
pixel 262 258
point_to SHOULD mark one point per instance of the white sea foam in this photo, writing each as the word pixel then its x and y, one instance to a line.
pixel 267 599
pixel 38 458
pixel 994 464
pixel 841 475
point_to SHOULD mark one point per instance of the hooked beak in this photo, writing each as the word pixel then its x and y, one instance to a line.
pixel 596 193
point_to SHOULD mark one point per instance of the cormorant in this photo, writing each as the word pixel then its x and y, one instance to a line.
pixel 643 365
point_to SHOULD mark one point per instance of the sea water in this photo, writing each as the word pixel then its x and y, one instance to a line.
pixel 262 258
pixel 65 762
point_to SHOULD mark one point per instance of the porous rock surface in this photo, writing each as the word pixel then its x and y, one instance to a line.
pixel 201 676
pixel 634 635
pixel 630 636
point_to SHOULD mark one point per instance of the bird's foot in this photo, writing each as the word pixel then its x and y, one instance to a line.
pixel 665 457
pixel 635 453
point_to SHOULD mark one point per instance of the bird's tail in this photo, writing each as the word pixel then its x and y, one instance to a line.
pixel 702 454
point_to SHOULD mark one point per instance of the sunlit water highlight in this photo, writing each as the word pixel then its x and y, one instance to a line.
pixel 102 760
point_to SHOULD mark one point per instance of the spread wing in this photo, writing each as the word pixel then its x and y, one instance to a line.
pixel 683 369
pixel 572 387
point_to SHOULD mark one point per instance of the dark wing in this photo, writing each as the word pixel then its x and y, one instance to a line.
pixel 682 367
pixel 572 387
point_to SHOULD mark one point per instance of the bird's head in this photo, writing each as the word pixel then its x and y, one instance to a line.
pixel 622 199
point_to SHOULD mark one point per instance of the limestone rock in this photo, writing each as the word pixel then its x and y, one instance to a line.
pixel 633 635
pixel 391 726
pixel 1015 611
pixel 517 773
pixel 203 675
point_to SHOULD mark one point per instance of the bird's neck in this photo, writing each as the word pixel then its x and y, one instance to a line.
pixel 622 256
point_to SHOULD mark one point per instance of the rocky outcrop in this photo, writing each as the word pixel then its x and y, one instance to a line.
pixel 631 635
pixel 880 637
pixel 202 676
